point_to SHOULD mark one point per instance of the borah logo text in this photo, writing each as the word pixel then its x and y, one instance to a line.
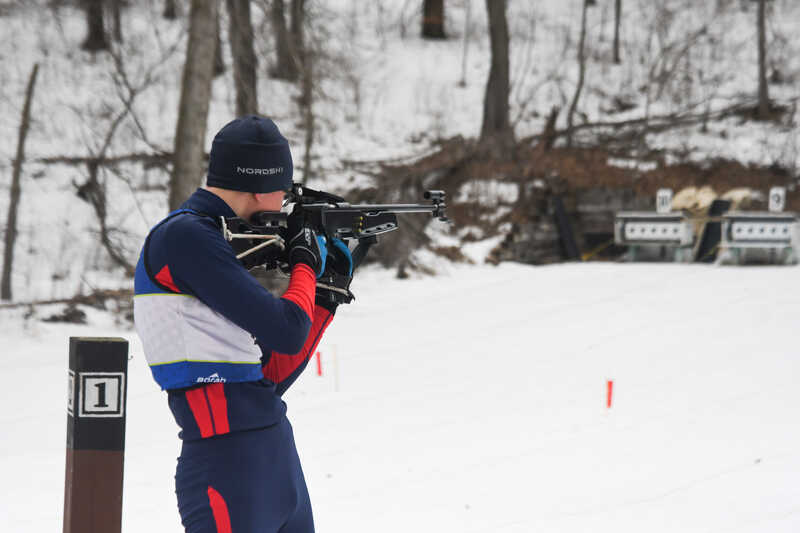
pixel 213 378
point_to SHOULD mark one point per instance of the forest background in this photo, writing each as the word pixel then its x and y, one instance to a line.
pixel 108 107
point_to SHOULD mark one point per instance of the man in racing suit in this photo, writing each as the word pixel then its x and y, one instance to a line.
pixel 225 349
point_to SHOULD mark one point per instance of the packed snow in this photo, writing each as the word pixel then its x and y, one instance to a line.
pixel 475 401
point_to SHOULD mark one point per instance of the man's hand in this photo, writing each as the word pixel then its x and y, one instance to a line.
pixel 304 245
pixel 333 287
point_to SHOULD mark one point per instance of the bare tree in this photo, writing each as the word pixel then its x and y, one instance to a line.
pixel 285 67
pixel 195 98
pixel 116 15
pixel 297 37
pixel 94 190
pixel 240 36
pixel 496 125
pixel 581 73
pixel 95 29
pixel 307 108
pixel 170 10
pixel 549 132
pixel 763 88
pixel 463 81
pixel 306 56
pixel 219 62
pixel 617 19
pixel 11 222
pixel 433 19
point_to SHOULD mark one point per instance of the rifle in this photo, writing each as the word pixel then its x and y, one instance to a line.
pixel 262 240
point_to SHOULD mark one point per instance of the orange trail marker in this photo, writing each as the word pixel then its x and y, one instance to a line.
pixel 609 394
pixel 319 364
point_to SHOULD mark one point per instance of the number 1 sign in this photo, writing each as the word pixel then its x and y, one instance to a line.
pixel 101 394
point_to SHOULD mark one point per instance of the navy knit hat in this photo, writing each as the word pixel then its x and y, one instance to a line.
pixel 249 154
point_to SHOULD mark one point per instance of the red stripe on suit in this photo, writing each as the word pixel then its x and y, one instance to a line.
pixel 281 365
pixel 219 509
pixel 199 406
pixel 219 407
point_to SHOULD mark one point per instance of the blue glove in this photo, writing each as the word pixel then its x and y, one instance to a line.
pixel 342 259
pixel 333 288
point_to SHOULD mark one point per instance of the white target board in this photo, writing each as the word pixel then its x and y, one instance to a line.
pixel 654 231
pixel 643 228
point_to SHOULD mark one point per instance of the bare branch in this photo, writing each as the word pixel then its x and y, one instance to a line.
pixel 93 299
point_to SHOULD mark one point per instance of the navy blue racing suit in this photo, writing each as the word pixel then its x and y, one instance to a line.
pixel 225 350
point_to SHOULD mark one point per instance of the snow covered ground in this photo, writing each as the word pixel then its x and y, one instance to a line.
pixel 475 402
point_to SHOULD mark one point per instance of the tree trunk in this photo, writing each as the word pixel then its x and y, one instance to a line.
pixel 219 62
pixel 95 29
pixel 549 133
pixel 116 12
pixel 13 204
pixel 463 81
pixel 284 66
pixel 763 88
pixel 581 74
pixel 190 132
pixel 433 19
pixel 240 36
pixel 170 10
pixel 307 106
pixel 496 125
pixel 297 36
pixel 617 18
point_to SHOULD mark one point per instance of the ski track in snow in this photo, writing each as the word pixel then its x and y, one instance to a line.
pixel 475 402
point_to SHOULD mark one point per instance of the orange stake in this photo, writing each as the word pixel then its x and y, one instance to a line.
pixel 319 364
pixel 610 392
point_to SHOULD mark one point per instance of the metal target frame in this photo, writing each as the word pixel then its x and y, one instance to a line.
pixel 776 233
pixel 643 229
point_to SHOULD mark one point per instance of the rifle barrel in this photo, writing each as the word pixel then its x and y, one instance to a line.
pixel 396 208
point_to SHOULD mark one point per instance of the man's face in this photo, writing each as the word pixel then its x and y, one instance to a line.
pixel 270 201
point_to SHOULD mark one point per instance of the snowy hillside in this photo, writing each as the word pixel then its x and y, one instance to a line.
pixel 476 402
pixel 383 93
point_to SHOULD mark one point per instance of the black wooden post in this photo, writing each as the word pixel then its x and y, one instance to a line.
pixel 98 379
